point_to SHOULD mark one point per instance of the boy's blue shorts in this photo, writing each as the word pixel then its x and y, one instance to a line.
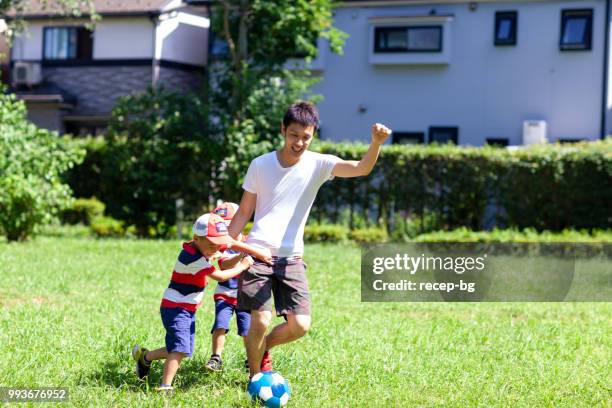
pixel 223 315
pixel 180 329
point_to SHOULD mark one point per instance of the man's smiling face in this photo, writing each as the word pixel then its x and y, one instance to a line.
pixel 297 138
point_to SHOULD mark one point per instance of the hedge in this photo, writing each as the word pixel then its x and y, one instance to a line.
pixel 548 187
pixel 416 189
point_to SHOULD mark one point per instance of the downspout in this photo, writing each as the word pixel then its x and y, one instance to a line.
pixel 154 17
pixel 604 98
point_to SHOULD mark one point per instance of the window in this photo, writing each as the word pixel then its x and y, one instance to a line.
pixel 497 141
pixel 408 39
pixel 67 43
pixel 443 135
pixel 408 137
pixel 576 30
pixel 505 27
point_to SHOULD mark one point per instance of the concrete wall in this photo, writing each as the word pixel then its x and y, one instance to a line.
pixel 486 91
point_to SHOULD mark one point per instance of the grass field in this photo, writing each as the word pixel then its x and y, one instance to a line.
pixel 70 310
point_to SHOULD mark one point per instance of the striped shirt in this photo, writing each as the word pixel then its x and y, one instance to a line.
pixel 188 281
pixel 228 290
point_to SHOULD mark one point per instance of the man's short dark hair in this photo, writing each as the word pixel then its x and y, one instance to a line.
pixel 303 113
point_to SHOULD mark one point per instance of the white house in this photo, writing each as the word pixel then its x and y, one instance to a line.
pixel 71 77
pixel 469 71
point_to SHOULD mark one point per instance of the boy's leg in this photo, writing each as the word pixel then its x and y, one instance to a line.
pixel 218 341
pixel 243 322
pixel 173 360
pixel 157 354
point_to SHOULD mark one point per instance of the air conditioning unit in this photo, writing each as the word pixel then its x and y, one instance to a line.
pixel 26 73
pixel 534 132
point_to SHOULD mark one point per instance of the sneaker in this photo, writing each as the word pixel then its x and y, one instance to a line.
pixel 142 367
pixel 266 362
pixel 164 390
pixel 214 364
pixel 246 366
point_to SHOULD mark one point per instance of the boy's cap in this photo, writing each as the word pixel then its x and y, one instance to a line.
pixel 227 210
pixel 212 227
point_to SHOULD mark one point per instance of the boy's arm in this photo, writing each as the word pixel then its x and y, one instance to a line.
pixel 262 254
pixel 230 261
pixel 222 276
pixel 353 168
pixel 244 214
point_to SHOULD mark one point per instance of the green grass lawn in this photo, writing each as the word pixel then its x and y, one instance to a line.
pixel 71 309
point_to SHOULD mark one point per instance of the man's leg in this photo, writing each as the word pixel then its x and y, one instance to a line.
pixel 255 341
pixel 295 327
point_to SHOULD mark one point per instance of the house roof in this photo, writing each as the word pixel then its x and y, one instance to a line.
pixel 53 8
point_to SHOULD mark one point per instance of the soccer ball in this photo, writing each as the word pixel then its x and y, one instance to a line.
pixel 270 388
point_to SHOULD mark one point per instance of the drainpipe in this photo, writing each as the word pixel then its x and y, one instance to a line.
pixel 154 17
pixel 604 99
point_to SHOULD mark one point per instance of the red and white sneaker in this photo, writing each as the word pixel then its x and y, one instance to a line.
pixel 266 362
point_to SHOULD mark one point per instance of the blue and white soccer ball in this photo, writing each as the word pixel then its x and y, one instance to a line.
pixel 270 388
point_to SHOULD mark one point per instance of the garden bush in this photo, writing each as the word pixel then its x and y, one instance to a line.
pixel 32 161
pixel 83 211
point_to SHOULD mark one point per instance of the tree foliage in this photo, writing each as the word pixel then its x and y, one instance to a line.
pixel 31 163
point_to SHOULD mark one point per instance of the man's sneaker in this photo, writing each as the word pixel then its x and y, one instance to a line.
pixel 246 366
pixel 142 366
pixel 214 364
pixel 266 362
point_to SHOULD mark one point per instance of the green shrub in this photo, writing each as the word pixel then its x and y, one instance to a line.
pixel 369 235
pixel 32 161
pixel 83 211
pixel 325 233
pixel 104 226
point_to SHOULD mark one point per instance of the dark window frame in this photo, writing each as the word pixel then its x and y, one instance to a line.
pixel 396 137
pixel 498 141
pixel 378 31
pixel 452 129
pixel 77 57
pixel 568 14
pixel 501 16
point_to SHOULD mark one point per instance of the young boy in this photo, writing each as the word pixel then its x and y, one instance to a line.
pixel 185 292
pixel 225 298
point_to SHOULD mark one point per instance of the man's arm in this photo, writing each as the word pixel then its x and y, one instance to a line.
pixel 353 168
pixel 244 214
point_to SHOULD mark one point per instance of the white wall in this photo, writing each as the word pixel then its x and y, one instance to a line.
pixel 486 91
pixel 123 38
pixel 114 38
pixel 183 37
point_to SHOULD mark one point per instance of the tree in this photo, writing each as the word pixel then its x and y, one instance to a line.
pixel 31 163
pixel 250 88
pixel 157 153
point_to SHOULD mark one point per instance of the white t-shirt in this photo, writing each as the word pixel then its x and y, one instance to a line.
pixel 284 198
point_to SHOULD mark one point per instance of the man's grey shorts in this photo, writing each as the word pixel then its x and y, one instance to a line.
pixel 285 279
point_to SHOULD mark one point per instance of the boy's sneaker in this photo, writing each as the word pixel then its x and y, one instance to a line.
pixel 266 362
pixel 214 364
pixel 142 366
pixel 164 390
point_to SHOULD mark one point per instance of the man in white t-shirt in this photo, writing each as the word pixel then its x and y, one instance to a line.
pixel 280 188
